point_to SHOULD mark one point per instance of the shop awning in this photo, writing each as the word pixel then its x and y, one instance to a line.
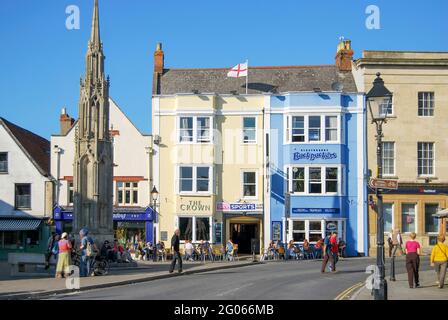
pixel 19 224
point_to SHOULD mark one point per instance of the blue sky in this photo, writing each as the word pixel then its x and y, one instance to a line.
pixel 41 61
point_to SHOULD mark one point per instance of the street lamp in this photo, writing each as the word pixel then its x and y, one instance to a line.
pixel 154 197
pixel 379 100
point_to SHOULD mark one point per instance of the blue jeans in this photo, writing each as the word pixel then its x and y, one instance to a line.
pixel 84 268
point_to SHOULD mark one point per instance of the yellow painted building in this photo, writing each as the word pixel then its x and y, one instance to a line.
pixel 208 161
pixel 415 149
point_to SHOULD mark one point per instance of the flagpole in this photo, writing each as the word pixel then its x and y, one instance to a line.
pixel 247 76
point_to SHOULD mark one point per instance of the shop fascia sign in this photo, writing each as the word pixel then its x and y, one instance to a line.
pixel 314 155
pixel 238 207
pixel 315 210
pixel 195 206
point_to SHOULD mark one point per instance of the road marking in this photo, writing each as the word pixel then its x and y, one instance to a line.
pixel 346 292
pixel 233 290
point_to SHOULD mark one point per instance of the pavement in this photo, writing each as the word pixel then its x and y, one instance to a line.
pixel 399 289
pixel 47 286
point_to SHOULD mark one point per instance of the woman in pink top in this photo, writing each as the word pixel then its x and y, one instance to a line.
pixel 413 250
pixel 64 257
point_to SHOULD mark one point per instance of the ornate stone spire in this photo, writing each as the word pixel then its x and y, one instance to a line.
pixel 93 163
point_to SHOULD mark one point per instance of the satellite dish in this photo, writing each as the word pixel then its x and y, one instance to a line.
pixel 337 86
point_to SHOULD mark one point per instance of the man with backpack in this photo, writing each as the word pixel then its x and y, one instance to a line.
pixel 330 252
pixel 88 249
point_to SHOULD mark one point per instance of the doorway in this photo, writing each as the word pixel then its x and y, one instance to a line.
pixel 244 234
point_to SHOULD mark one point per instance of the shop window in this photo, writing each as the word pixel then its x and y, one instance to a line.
pixel 315 180
pixel 249 130
pixel 12 239
pixel 315 232
pixel 431 222
pixel 23 196
pixel 127 193
pixel 186 228
pixel 298 231
pixel 249 184
pixel 32 237
pixel 202 229
pixel 3 162
pixel 408 217
pixel 388 211
pixel 195 228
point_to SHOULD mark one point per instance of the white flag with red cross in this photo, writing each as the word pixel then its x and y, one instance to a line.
pixel 238 71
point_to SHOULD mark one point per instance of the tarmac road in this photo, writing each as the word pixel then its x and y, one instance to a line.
pixel 290 280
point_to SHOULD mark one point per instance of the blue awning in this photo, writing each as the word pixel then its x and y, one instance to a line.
pixel 19 224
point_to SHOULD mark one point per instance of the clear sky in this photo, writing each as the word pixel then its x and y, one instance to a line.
pixel 41 61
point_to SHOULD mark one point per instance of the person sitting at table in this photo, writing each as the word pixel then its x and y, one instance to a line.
pixel 271 249
pixel 318 248
pixel 189 250
pixel 291 250
pixel 307 249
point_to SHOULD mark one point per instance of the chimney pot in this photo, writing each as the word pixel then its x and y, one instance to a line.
pixel 344 55
pixel 66 122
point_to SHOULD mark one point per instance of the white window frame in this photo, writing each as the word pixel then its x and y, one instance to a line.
pixel 123 190
pixel 7 163
pixel 70 189
pixel 256 183
pixel 433 159
pixel 415 216
pixel 393 216
pixel 193 232
pixel 342 228
pixel 394 159
pixel 289 168
pixel 423 115
pixel 287 121
pixel 255 130
pixel 195 179
pixel 195 129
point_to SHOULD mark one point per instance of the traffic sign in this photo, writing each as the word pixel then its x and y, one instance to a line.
pixel 376 183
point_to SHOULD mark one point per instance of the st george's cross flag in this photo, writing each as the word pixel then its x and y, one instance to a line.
pixel 238 71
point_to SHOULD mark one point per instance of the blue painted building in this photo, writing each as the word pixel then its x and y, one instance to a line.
pixel 317 167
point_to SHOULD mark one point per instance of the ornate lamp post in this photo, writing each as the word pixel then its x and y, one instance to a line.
pixel 154 197
pixel 379 100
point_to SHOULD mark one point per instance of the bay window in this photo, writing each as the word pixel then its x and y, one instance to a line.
pixel 312 129
pixel 314 180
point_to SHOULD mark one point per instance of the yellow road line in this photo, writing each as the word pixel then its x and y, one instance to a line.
pixel 344 293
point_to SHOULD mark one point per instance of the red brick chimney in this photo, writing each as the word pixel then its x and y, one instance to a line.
pixel 66 122
pixel 159 59
pixel 159 64
pixel 344 55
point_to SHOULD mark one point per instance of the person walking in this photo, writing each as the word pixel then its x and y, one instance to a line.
pixel 88 249
pixel 49 253
pixel 439 260
pixel 413 251
pixel 64 257
pixel 175 241
pixel 397 242
pixel 327 255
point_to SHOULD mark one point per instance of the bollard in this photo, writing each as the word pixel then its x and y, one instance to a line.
pixel 392 268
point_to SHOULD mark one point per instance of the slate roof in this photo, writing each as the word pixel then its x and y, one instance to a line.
pixel 261 80
pixel 35 147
